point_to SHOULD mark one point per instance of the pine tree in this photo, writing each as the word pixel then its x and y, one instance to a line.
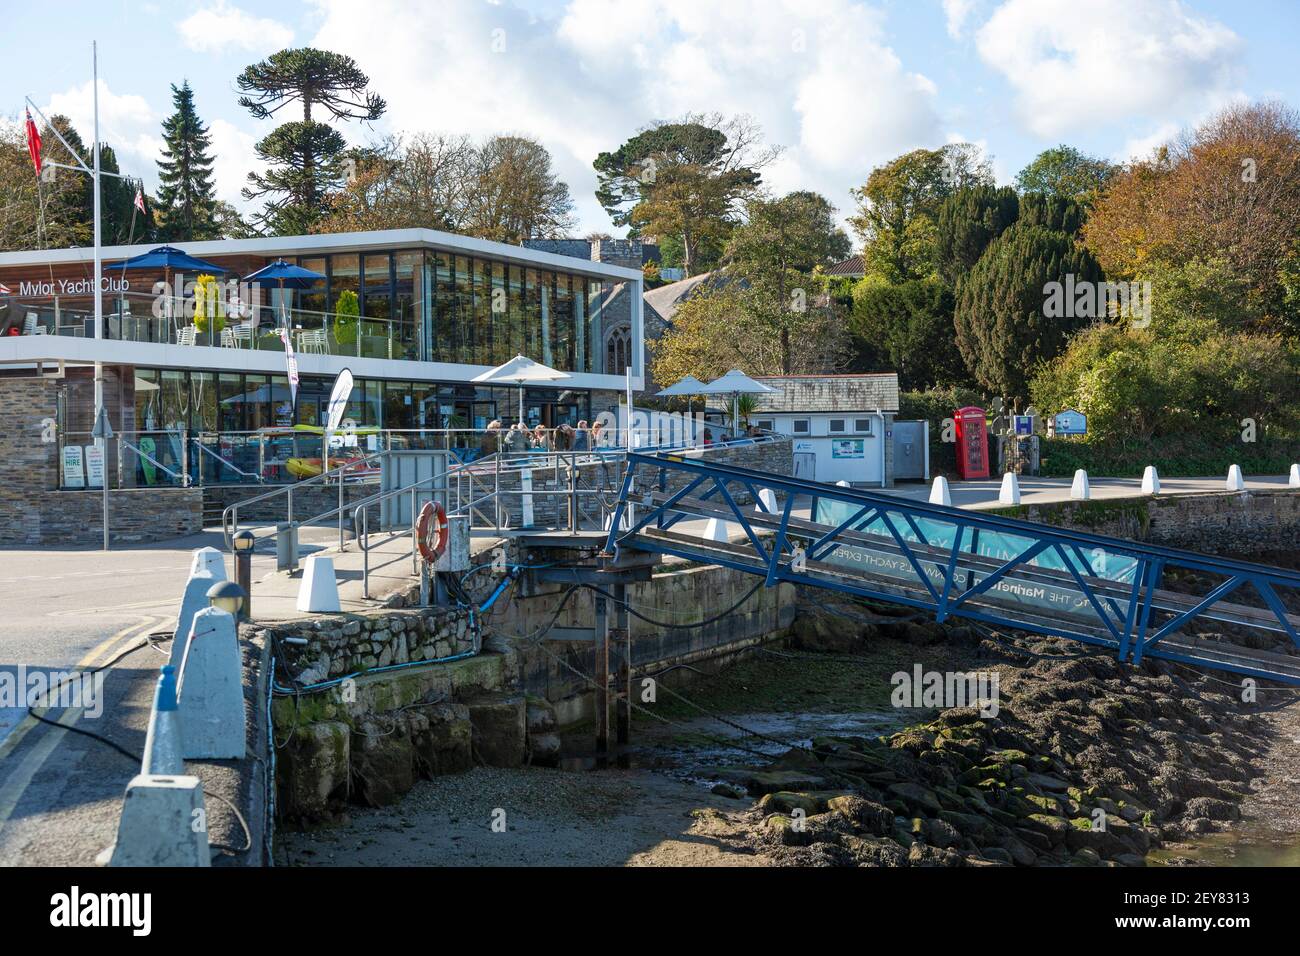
pixel 186 203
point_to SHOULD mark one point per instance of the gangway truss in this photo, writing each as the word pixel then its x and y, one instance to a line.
pixel 1139 600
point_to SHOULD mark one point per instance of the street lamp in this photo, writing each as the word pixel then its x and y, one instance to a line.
pixel 227 596
pixel 243 543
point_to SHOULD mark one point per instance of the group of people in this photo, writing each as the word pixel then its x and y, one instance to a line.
pixel 520 439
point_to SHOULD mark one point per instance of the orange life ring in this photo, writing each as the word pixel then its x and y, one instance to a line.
pixel 431 531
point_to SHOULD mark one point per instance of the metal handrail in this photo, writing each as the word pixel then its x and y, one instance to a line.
pixel 184 479
pixel 230 516
pixel 229 464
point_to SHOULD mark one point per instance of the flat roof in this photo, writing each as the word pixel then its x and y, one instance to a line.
pixel 385 239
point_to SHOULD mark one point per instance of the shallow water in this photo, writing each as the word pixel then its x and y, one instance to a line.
pixel 1248 844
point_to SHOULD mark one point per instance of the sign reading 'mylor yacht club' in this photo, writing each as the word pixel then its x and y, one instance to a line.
pixel 72 286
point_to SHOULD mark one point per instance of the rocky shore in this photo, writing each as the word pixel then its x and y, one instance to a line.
pixel 1087 762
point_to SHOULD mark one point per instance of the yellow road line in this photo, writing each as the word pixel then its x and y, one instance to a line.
pixel 18 781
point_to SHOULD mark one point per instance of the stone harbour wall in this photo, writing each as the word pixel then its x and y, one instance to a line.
pixel 1228 523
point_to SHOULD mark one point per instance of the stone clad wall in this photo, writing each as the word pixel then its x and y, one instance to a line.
pixel 75 518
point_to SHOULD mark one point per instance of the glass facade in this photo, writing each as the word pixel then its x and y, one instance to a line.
pixel 446 307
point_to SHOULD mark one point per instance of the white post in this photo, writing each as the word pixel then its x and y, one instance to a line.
pixel 98 280
pixel 628 375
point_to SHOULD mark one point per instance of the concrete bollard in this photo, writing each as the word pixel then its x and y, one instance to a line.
pixel 210 690
pixel 193 599
pixel 163 746
pixel 1009 494
pixel 766 501
pixel 1150 481
pixel 1080 488
pixel 1235 480
pixel 319 591
pixel 163 823
pixel 208 561
pixel 1294 480
pixel 717 530
pixel 939 494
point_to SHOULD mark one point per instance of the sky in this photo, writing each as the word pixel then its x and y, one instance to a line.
pixel 842 85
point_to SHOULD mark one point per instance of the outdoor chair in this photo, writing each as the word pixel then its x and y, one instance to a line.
pixel 313 340
pixel 32 325
pixel 187 335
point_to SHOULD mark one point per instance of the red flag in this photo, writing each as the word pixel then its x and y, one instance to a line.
pixel 4 289
pixel 33 143
pixel 139 199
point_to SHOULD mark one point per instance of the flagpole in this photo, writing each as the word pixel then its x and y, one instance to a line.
pixel 98 286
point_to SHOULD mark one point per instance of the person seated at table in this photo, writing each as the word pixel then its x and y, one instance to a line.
pixel 540 440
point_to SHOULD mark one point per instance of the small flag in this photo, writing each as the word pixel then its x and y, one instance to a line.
pixel 139 199
pixel 33 143
pixel 5 290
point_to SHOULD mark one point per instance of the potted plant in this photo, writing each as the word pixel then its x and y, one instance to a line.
pixel 347 318
pixel 209 309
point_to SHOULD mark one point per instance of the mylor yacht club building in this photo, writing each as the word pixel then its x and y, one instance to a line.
pixel 415 315
pixel 436 310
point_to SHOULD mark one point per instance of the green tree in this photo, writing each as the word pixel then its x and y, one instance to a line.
pixel 899 204
pixel 347 318
pixel 514 193
pixel 306 156
pixel 910 324
pixel 1065 171
pixel 1003 330
pixel 967 222
pixel 686 180
pixel 776 251
pixel 186 202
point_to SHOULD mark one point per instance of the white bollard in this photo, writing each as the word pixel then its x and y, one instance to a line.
pixel 717 530
pixel 1150 481
pixel 1010 491
pixel 210 689
pixel 1235 481
pixel 319 591
pixel 939 494
pixel 766 501
pixel 208 561
pixel 1080 488
pixel 1294 480
pixel 163 823
pixel 193 600
pixel 164 747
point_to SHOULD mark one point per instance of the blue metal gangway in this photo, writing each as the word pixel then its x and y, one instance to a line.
pixel 1139 600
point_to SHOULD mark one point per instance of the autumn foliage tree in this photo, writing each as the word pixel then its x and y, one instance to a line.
pixel 1227 192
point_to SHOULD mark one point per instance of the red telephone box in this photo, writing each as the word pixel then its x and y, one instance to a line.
pixel 972 443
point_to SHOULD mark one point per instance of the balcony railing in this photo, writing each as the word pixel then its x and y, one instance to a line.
pixel 136 317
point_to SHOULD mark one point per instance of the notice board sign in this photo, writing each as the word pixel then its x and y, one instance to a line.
pixel 972 443
pixel 1070 422
pixel 74 474
pixel 94 466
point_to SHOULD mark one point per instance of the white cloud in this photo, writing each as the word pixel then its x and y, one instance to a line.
pixel 956 13
pixel 1073 65
pixel 221 27
pixel 233 158
pixel 126 122
pixel 818 75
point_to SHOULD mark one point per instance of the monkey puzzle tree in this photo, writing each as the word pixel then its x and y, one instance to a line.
pixel 306 155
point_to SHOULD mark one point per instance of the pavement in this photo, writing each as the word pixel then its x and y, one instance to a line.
pixel 984 493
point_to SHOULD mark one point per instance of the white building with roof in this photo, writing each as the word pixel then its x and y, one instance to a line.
pixel 844 427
